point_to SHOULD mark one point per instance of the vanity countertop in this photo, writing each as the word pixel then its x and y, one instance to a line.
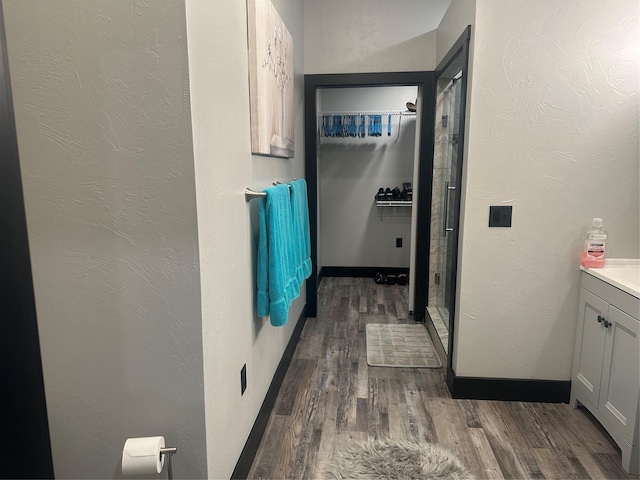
pixel 621 273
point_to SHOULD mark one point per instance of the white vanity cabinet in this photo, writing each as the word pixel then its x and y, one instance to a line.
pixel 606 363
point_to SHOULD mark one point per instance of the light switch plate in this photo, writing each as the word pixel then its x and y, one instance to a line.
pixel 500 215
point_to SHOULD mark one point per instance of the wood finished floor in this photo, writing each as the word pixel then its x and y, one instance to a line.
pixel 330 396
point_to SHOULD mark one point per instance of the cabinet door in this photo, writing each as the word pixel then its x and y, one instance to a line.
pixel 621 373
pixel 588 374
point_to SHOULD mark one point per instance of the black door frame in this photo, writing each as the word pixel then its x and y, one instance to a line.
pixel 24 434
pixel 425 81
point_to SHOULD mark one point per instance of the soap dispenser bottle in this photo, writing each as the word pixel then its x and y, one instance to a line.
pixel 593 255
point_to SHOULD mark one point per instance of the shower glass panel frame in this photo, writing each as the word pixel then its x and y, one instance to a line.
pixel 449 134
pixel 443 215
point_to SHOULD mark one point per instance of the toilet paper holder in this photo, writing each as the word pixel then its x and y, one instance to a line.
pixel 169 452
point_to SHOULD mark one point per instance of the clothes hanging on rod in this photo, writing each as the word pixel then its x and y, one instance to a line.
pixel 355 124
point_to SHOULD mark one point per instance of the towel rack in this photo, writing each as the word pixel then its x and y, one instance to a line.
pixel 252 194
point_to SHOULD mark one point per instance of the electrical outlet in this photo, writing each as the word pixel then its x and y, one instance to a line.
pixel 243 379
pixel 399 242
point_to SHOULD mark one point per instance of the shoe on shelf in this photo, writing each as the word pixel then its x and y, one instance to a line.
pixel 380 195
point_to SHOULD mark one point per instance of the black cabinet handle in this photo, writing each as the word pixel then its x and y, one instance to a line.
pixel 600 318
pixel 607 324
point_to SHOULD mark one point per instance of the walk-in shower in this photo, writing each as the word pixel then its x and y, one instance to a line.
pixel 449 122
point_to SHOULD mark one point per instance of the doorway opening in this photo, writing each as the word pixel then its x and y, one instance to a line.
pixel 424 119
pixel 366 150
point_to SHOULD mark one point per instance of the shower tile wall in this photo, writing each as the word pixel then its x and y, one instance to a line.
pixel 440 174
pixel 444 170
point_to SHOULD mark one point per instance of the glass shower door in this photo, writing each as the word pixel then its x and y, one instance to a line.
pixel 444 201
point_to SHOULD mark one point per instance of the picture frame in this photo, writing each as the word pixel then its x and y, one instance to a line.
pixel 271 81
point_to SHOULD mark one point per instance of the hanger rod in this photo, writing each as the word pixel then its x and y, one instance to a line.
pixel 378 112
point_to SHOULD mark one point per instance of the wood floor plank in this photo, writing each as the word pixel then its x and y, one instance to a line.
pixel 589 463
pixel 490 465
pixel 528 422
pixel 452 432
pixel 421 414
pixel 399 423
pixel 431 382
pixel 495 418
pixel 377 408
pixel 528 462
pixel 290 386
pixel 557 430
pixel 310 467
pixel 328 434
pixel 264 463
pixel 296 423
pixel 470 414
pixel 362 415
pixel 579 428
pixel 313 403
pixel 373 427
pixel 610 465
pixel 554 464
pixel 577 465
pixel 507 460
pixel 310 343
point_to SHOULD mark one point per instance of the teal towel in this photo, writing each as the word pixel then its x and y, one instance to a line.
pixel 277 282
pixel 302 237
pixel 263 263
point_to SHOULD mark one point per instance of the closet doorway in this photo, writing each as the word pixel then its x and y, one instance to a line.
pixel 366 151
pixel 424 124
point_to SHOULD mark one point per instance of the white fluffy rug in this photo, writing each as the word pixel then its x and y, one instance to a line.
pixel 386 459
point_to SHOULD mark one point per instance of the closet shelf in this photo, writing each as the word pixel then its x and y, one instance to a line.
pixel 394 203
pixel 402 113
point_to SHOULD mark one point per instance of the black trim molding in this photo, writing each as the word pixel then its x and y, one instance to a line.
pixel 365 272
pixel 509 389
pixel 260 425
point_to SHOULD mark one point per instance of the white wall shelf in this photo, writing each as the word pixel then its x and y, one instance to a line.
pixel 394 203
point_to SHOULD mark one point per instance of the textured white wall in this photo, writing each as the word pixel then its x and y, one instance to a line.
pixel 553 132
pixel 459 14
pixel 353 231
pixel 227 226
pixel 358 36
pixel 107 165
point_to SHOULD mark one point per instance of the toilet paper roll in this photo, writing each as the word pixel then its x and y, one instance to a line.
pixel 141 456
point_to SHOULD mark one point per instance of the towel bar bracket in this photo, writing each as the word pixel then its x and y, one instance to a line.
pixel 252 194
